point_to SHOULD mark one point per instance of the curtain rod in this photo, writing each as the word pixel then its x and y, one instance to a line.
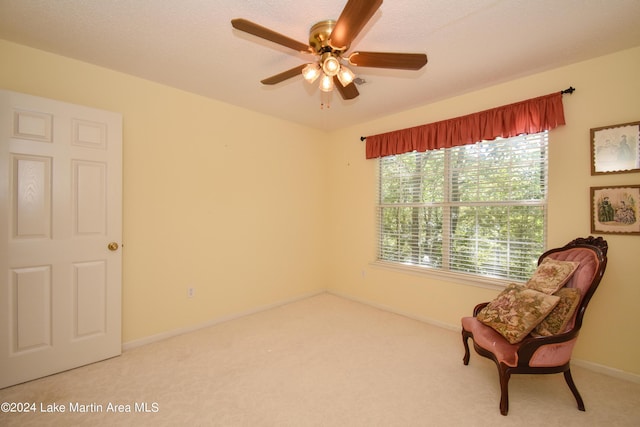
pixel 568 90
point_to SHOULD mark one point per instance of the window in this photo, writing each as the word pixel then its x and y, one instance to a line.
pixel 478 209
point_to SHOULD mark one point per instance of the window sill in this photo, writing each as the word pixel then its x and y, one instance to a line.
pixel 494 283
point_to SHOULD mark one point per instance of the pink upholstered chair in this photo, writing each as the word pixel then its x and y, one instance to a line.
pixel 542 354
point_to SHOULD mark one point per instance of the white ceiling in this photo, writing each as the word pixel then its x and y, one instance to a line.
pixel 190 45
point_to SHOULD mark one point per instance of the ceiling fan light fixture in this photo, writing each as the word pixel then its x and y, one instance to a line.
pixel 311 72
pixel 326 83
pixel 345 75
pixel 329 40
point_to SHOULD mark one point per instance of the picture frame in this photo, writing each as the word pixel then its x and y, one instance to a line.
pixel 615 149
pixel 615 209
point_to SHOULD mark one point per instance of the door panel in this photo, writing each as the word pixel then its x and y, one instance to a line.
pixel 61 206
pixel 89 197
pixel 90 290
pixel 31 309
pixel 32 197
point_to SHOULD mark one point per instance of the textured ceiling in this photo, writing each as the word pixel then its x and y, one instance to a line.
pixel 190 45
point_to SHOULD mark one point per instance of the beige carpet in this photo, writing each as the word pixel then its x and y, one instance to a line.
pixel 322 361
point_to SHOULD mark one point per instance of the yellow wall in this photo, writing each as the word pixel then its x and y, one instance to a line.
pixel 219 198
pixel 252 210
pixel 608 92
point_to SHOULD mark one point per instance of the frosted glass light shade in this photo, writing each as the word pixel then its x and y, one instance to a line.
pixel 331 66
pixel 326 83
pixel 311 72
pixel 345 76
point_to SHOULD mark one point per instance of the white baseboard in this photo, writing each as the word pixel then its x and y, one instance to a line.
pixel 606 370
pixel 175 332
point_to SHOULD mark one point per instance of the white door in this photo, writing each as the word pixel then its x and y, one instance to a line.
pixel 60 236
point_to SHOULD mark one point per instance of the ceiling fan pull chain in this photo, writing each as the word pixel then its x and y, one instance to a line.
pixel 325 100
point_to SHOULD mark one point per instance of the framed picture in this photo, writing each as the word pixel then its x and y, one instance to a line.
pixel 614 209
pixel 615 149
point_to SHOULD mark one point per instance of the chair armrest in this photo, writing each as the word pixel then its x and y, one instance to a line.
pixel 531 344
pixel 479 307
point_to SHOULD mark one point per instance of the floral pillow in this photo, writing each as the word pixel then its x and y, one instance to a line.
pixel 557 321
pixel 516 311
pixel 551 275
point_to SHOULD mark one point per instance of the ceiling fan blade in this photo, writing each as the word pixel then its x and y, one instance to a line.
pixel 399 61
pixel 297 71
pixel 353 18
pixel 349 91
pixel 267 34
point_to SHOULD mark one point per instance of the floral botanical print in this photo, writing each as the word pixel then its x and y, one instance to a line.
pixel 551 275
pixel 557 321
pixel 516 311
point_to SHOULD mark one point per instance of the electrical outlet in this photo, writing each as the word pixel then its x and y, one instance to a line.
pixel 191 292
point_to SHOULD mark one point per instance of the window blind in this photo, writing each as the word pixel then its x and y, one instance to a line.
pixel 477 209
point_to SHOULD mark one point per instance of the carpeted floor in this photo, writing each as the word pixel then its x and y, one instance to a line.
pixel 322 361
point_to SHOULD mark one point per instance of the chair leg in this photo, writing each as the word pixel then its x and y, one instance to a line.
pixel 504 389
pixel 569 379
pixel 465 338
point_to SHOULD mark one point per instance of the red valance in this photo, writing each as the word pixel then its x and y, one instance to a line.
pixel 530 116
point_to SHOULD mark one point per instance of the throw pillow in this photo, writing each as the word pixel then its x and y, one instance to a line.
pixel 556 322
pixel 551 275
pixel 516 311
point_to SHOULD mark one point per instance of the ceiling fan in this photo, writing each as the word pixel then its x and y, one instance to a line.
pixel 329 40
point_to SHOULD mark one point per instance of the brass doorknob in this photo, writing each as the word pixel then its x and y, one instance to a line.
pixel 113 246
